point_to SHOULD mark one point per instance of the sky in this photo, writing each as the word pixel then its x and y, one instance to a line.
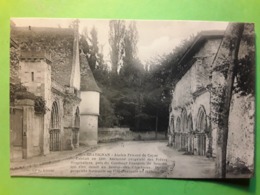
pixel 155 37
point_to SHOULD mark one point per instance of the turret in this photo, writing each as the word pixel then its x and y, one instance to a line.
pixel 89 105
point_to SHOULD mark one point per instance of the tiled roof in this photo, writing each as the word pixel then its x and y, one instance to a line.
pixel 58 42
pixel 88 82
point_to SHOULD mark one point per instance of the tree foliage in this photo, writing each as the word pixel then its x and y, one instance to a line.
pixel 135 94
pixel 116 38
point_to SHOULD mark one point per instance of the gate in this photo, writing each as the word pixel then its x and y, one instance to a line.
pixel 54 140
pixel 16 132
pixel 55 128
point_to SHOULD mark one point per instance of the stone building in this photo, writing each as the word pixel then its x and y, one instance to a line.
pixel 190 122
pixel 190 107
pixel 51 67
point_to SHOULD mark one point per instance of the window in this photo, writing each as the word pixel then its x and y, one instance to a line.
pixel 202 120
pixel 32 75
pixel 55 116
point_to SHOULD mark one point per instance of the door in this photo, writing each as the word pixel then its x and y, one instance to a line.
pixel 54 140
pixel 202 144
pixel 16 132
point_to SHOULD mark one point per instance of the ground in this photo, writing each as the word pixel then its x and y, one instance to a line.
pixel 166 162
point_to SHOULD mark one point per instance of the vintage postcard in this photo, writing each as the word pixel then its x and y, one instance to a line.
pixel 131 98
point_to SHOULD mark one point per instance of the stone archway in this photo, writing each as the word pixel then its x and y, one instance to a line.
pixel 178 124
pixel 201 128
pixel 171 131
pixel 191 134
pixel 184 130
pixel 55 143
pixel 178 133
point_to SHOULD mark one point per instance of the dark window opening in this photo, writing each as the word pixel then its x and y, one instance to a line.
pixel 32 76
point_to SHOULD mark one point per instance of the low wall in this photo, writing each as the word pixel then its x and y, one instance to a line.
pixel 124 134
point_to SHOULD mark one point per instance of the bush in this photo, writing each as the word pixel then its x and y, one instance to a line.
pixel 19 92
pixel 40 105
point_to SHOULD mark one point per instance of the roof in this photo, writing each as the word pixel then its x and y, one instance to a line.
pixel 58 42
pixel 199 40
pixel 87 82
pixel 186 61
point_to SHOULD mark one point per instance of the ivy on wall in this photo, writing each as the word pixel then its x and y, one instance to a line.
pixel 18 92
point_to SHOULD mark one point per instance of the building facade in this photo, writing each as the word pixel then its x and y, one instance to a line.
pixel 50 67
pixel 190 108
pixel 190 116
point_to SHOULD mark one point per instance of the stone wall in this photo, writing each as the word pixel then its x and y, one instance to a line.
pixel 190 95
pixel 89 102
pixel 120 134
pixel 241 141
pixel 88 130
pixel 32 131
pixel 35 75
pixel 89 112
pixel 197 77
pixel 240 148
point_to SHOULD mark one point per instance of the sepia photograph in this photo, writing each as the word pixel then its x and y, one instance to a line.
pixel 131 98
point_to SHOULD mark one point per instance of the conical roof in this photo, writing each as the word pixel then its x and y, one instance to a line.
pixel 88 82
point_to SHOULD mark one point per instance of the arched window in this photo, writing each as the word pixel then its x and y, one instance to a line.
pixel 201 120
pixel 178 124
pixel 190 123
pixel 55 122
pixel 172 123
pixel 77 118
pixel 55 128
pixel 184 120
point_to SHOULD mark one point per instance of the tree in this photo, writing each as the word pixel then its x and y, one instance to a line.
pixel 90 45
pixel 224 70
pixel 130 40
pixel 131 65
pixel 160 78
pixel 93 39
pixel 131 74
pixel 116 38
pixel 83 41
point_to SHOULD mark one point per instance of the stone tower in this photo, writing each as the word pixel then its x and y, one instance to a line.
pixel 35 75
pixel 89 105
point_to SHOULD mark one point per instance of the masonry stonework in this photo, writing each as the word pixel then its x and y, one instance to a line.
pixel 190 117
pixel 57 78
pixel 190 124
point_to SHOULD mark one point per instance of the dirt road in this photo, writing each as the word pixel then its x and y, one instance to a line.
pixel 128 159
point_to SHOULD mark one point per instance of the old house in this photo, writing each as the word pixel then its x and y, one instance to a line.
pixel 51 67
pixel 190 116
